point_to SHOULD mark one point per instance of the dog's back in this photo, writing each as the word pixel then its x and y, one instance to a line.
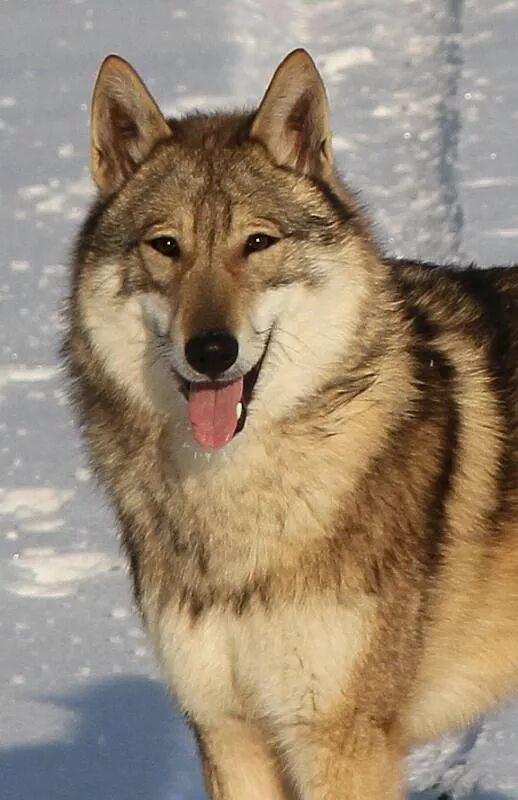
pixel 469 318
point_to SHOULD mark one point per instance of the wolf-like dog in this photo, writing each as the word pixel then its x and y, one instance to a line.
pixel 311 449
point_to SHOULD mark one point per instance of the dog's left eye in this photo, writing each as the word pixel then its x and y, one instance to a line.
pixel 258 241
pixel 166 246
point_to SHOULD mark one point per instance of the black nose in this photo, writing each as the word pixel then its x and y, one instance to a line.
pixel 212 352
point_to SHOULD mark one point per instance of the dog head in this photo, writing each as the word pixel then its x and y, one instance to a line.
pixel 220 274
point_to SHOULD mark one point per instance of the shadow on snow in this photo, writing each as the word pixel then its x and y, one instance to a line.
pixel 126 745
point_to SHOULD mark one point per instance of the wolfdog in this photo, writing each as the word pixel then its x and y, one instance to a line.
pixel 311 448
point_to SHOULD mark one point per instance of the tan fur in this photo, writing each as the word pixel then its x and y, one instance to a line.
pixel 339 581
pixel 237 762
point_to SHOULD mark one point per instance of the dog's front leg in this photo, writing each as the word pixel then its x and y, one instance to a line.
pixel 345 760
pixel 238 763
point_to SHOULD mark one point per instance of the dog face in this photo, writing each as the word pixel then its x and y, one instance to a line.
pixel 221 271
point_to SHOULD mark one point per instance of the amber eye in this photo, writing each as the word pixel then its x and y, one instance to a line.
pixel 258 241
pixel 166 246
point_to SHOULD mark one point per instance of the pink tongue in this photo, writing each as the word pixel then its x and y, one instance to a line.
pixel 212 412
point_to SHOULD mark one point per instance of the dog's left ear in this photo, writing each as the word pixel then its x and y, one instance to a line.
pixel 126 124
pixel 292 121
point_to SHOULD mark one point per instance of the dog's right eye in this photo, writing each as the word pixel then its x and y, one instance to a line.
pixel 166 246
pixel 257 242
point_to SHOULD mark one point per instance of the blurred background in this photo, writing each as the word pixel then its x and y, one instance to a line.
pixel 424 98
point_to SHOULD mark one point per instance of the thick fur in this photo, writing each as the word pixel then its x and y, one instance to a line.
pixel 341 580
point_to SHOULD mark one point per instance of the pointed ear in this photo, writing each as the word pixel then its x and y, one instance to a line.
pixel 126 124
pixel 292 121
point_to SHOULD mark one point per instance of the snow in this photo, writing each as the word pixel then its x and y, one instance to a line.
pixel 333 65
pixel 46 573
pixel 424 97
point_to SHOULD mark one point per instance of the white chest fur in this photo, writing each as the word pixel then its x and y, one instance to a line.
pixel 283 665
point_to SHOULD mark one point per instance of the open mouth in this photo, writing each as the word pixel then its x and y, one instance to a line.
pixel 218 409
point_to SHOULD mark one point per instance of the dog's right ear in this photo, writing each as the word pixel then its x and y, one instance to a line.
pixel 292 122
pixel 126 124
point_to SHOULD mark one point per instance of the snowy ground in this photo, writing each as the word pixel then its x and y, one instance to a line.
pixel 425 103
